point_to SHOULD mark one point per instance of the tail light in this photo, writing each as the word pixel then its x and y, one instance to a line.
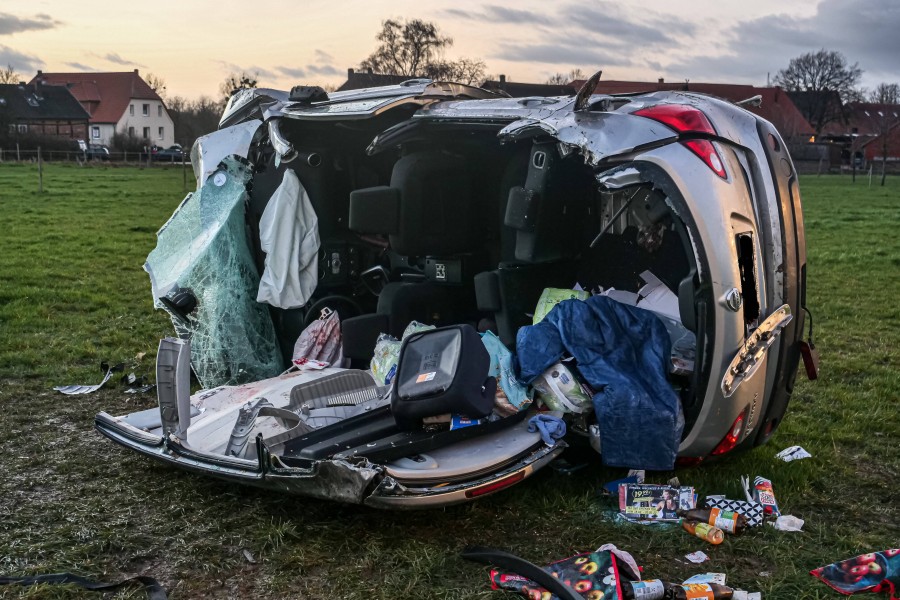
pixel 688 120
pixel 496 486
pixel 731 438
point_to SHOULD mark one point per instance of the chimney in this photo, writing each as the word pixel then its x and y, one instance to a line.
pixel 369 70
pixel 349 73
pixel 661 80
pixel 502 78
pixel 40 73
pixel 136 73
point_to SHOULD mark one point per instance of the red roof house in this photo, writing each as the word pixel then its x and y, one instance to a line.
pixel 117 103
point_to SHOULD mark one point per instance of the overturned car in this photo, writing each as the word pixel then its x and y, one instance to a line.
pixel 674 216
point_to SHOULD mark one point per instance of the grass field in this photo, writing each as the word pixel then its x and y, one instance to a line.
pixel 72 293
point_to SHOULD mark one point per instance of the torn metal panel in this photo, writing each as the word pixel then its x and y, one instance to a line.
pixel 75 390
pixel 203 273
pixel 598 135
pixel 209 150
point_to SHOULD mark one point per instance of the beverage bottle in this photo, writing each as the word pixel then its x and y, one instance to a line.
pixel 698 591
pixel 726 520
pixel 704 531
pixel 653 589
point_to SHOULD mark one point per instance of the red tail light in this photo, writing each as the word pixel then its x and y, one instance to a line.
pixel 688 120
pixel 731 439
pixel 496 486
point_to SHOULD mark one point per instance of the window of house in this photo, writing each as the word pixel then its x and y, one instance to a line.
pixel 12 128
pixel 161 130
pixel 23 128
pixel 131 109
pixel 146 110
pixel 95 132
pixel 131 132
pixel 159 110
pixel 147 132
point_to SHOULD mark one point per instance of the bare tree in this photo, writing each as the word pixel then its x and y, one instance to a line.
pixel 9 75
pixel 563 78
pixel 414 48
pixel 827 80
pixel 886 93
pixel 235 82
pixel 157 84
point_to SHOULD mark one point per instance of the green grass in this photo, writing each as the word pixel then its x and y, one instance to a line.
pixel 72 292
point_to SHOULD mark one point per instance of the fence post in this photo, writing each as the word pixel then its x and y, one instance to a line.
pixel 870 175
pixel 18 156
pixel 40 172
pixel 183 174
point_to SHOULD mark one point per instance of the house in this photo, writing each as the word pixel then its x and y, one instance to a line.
pixel 41 110
pixel 872 131
pixel 776 106
pixel 357 80
pixel 525 90
pixel 117 103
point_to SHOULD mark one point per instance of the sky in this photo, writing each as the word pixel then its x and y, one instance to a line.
pixel 194 45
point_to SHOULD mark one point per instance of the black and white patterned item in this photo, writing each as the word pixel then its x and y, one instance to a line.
pixel 752 511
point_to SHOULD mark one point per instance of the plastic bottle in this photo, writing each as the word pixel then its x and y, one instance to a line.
pixel 652 589
pixel 698 591
pixel 704 531
pixel 726 520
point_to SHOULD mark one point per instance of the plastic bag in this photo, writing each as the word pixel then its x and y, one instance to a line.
pixel 558 388
pixel 512 396
pixel 320 341
pixel 387 353
pixel 550 297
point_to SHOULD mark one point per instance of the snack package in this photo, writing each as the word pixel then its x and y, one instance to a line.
pixel 648 502
pixel 550 297
pixel 559 390
pixel 765 495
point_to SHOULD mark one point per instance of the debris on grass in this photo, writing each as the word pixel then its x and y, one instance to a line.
pixel 697 557
pixel 788 523
pixel 793 453
pixel 74 390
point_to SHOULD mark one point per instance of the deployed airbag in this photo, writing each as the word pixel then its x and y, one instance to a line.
pixel 289 235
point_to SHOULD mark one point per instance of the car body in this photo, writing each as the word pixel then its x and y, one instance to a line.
pixel 171 154
pixel 500 198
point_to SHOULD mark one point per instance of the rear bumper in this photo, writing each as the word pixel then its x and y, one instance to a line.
pixel 356 482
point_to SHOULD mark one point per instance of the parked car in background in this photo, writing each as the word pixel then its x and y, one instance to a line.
pixel 96 152
pixel 445 204
pixel 173 154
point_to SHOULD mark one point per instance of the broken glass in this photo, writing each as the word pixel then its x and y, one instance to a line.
pixel 203 274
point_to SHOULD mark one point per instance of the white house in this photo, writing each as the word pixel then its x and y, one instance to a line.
pixel 117 102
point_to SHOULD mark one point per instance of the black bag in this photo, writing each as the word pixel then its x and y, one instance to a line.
pixel 442 371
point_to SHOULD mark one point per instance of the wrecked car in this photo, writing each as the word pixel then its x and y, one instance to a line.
pixel 446 205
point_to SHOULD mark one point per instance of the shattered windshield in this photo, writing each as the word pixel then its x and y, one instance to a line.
pixel 203 274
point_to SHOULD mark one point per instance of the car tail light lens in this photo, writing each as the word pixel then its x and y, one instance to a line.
pixel 688 461
pixel 496 486
pixel 688 120
pixel 731 439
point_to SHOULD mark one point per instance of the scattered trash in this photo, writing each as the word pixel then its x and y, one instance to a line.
pixel 154 590
pixel 612 487
pixel 654 502
pixel 742 595
pixel 592 575
pixel 638 474
pixel 765 574
pixel 762 494
pixel 726 520
pixel 249 556
pixel 674 482
pixel 697 557
pixel 704 531
pixel 73 390
pixel 793 453
pixel 788 523
pixel 387 353
pixel 551 428
pixel 752 511
pixel 872 572
pixel 140 355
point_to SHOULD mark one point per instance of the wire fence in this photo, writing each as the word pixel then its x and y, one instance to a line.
pixel 78 156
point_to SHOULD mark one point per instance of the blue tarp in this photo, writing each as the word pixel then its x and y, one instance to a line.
pixel 623 352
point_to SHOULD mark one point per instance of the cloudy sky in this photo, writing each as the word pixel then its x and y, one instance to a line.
pixel 193 45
